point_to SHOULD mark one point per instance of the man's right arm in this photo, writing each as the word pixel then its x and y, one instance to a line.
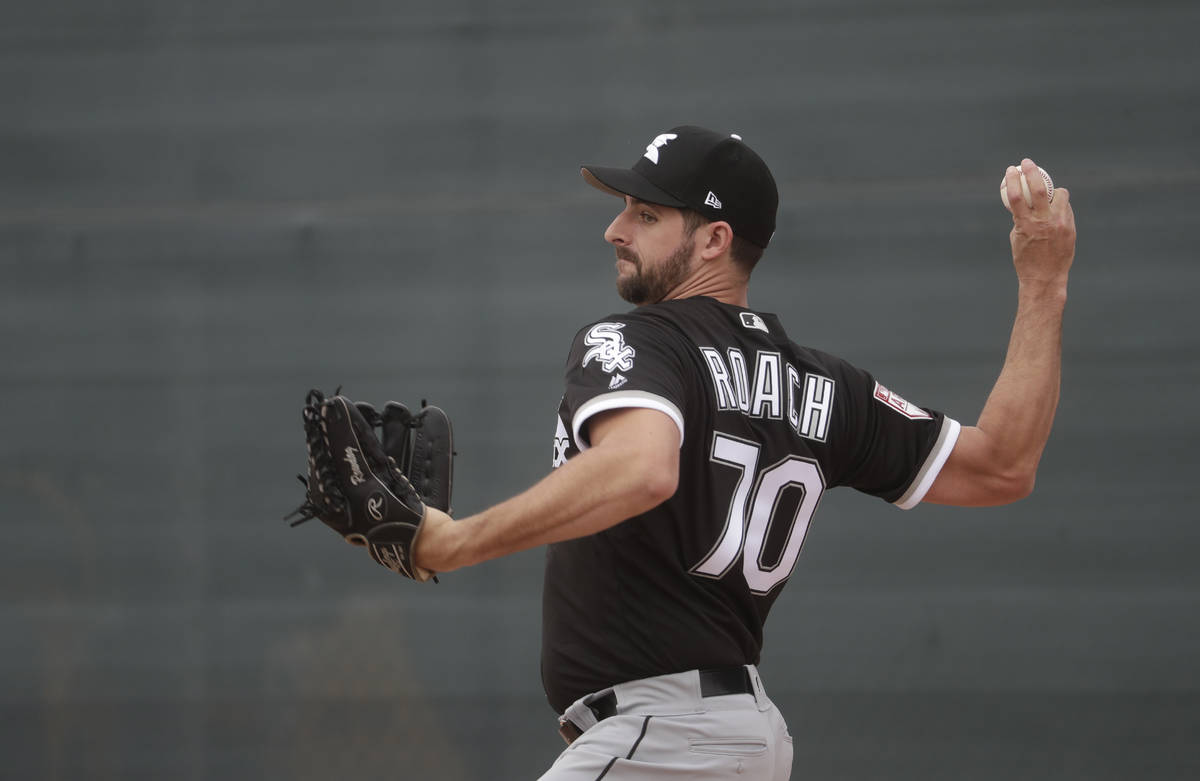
pixel 996 460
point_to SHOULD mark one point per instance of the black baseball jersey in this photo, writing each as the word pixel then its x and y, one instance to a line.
pixel 767 426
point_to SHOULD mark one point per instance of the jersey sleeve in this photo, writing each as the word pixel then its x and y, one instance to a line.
pixel 896 447
pixel 623 361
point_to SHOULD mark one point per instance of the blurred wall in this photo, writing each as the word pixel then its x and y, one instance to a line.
pixel 208 208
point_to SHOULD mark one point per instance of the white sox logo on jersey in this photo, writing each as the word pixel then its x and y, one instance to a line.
pixel 608 347
pixel 659 142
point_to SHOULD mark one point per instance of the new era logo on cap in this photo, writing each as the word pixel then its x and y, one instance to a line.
pixel 687 166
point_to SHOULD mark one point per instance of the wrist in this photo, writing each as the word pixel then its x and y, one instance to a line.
pixel 1051 290
pixel 439 544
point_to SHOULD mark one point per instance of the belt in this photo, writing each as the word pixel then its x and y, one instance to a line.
pixel 714 682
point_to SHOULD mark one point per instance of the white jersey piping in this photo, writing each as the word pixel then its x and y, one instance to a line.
pixel 932 466
pixel 618 400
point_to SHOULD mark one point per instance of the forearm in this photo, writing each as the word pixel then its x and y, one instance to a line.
pixel 1020 410
pixel 621 476
pixel 589 493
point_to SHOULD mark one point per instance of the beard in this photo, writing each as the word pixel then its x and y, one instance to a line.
pixel 649 286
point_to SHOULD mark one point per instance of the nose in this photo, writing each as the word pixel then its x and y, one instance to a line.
pixel 616 232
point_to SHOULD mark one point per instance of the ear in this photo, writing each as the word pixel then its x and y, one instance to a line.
pixel 716 240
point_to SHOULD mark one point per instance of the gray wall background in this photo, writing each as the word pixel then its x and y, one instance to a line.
pixel 208 208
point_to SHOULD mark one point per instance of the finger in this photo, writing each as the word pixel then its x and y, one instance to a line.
pixel 1012 183
pixel 1061 210
pixel 1037 184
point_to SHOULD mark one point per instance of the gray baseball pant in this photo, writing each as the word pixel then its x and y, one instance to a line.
pixel 665 729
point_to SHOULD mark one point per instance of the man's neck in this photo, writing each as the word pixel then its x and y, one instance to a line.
pixel 721 287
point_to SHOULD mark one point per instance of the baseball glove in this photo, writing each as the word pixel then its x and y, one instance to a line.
pixel 373 493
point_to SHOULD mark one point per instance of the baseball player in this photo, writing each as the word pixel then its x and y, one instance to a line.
pixel 694 442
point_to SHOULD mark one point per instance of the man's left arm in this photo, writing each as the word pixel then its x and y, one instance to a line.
pixel 631 466
pixel 995 461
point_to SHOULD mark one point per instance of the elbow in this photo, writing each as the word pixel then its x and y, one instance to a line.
pixel 661 484
pixel 651 482
pixel 1021 490
pixel 1015 486
pixel 1010 475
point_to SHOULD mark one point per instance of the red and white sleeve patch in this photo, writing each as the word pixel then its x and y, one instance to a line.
pixel 896 402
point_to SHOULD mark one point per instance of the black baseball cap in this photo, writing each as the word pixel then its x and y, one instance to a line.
pixel 712 173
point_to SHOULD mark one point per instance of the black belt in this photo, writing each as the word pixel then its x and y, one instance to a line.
pixel 714 682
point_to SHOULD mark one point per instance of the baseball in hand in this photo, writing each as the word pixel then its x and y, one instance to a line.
pixel 1025 189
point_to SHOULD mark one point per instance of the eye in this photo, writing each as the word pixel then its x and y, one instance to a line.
pixel 648 218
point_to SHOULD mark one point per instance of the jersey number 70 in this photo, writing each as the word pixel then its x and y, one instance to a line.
pixel 752 512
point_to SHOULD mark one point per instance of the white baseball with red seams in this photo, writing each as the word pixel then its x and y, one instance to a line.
pixel 1025 189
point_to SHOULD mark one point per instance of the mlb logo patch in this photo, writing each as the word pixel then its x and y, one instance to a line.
pixel 751 320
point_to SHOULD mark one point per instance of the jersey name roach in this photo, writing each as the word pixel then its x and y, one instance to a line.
pixel 769 387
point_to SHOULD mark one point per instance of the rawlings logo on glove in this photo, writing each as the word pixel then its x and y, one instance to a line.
pixel 356 476
pixel 375 494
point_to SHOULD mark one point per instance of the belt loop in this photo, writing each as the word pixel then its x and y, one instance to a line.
pixel 585 713
pixel 580 715
pixel 760 694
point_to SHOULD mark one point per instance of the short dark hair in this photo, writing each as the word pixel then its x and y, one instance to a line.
pixel 745 254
